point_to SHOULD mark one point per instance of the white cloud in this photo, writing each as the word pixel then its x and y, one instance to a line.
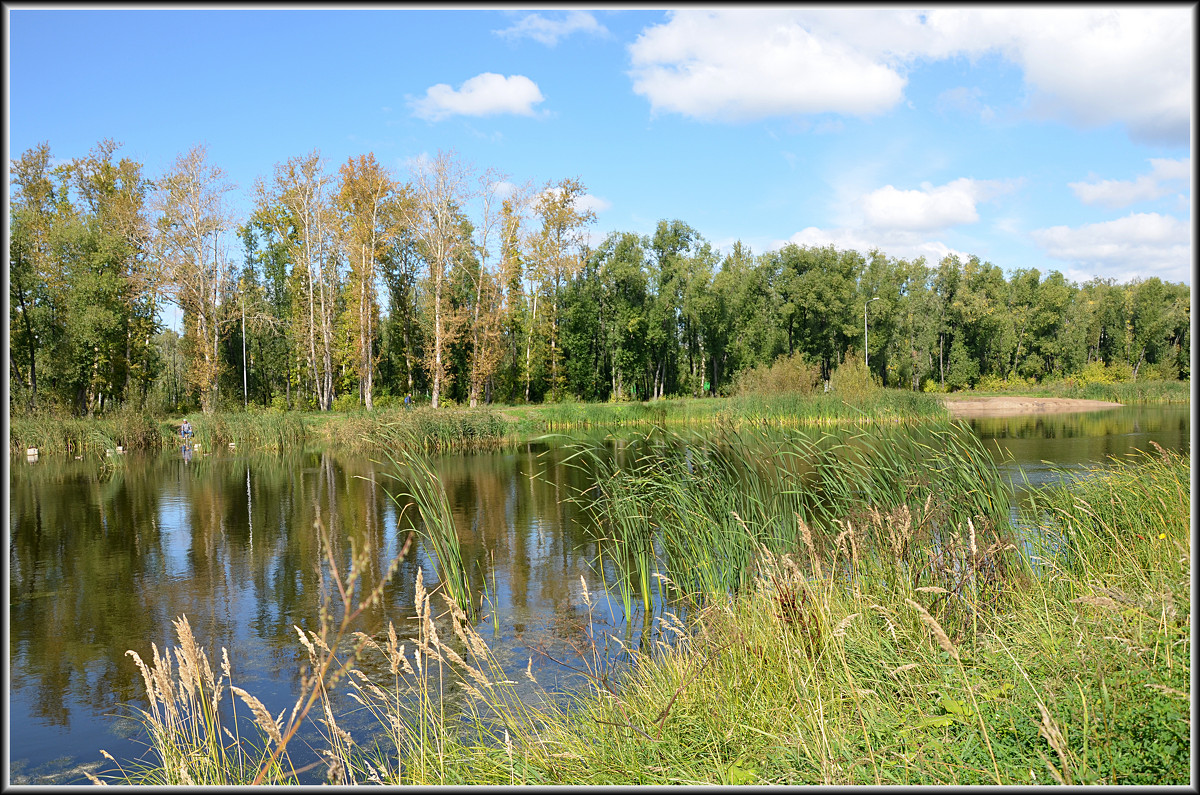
pixel 902 223
pixel 594 203
pixel 929 208
pixel 549 31
pixel 584 202
pixel 1088 66
pixel 893 243
pixel 485 94
pixel 415 162
pixel 1163 179
pixel 1136 245
pixel 742 65
pixel 1096 66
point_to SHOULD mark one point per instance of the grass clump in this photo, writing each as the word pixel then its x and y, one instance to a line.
pixel 423 490
pixel 425 429
pixel 886 639
pixel 698 510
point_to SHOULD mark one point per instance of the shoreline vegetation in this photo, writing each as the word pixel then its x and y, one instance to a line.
pixel 454 428
pixel 887 624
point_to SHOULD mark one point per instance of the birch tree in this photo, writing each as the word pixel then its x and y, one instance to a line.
pixel 440 187
pixel 297 205
pixel 193 216
pixel 368 199
pixel 487 310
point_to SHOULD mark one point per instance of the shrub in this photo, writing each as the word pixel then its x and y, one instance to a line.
pixel 991 383
pixel 786 375
pixel 344 403
pixel 1098 373
pixel 851 378
pixel 1161 371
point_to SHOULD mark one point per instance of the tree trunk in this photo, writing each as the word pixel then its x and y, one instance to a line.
pixel 437 338
pixel 941 359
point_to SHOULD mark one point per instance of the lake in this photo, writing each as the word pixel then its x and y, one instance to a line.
pixel 103 557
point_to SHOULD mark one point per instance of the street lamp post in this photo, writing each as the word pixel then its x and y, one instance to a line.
pixel 866 356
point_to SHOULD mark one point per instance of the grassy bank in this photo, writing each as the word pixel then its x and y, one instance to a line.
pixel 464 429
pixel 424 429
pixel 1124 392
pixel 447 429
pixel 780 410
pixel 134 431
pixel 893 631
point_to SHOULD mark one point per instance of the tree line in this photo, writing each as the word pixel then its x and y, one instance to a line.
pixel 453 284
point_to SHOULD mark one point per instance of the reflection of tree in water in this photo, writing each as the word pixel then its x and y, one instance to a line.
pixel 1089 436
pixel 81 542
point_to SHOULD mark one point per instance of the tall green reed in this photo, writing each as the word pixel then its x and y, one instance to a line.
pixel 705 506
pixel 422 489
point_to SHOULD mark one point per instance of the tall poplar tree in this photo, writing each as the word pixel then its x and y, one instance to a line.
pixel 440 187
pixel 193 217
pixel 297 206
pixel 558 249
pixel 369 201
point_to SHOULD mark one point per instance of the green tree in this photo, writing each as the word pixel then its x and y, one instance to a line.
pixel 557 250
pixel 625 279
pixel 33 221
pixel 193 218
pixel 368 200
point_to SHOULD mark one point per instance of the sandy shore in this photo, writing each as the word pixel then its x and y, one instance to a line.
pixel 1011 406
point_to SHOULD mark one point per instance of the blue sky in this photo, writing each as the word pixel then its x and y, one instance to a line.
pixel 1057 139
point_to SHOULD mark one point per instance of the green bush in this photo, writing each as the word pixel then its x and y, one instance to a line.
pixel 344 403
pixel 851 379
pixel 1161 371
pixel 786 375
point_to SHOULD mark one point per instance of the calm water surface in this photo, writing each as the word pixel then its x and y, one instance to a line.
pixel 101 560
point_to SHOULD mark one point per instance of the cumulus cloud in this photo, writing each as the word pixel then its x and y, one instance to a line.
pixel 1087 66
pixel 893 243
pixel 504 189
pixel 743 65
pixel 904 223
pixel 1123 248
pixel 549 31
pixel 1096 66
pixel 929 208
pixel 485 94
pixel 1165 177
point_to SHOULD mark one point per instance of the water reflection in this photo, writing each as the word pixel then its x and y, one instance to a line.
pixel 1033 447
pixel 102 560
pixel 104 557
